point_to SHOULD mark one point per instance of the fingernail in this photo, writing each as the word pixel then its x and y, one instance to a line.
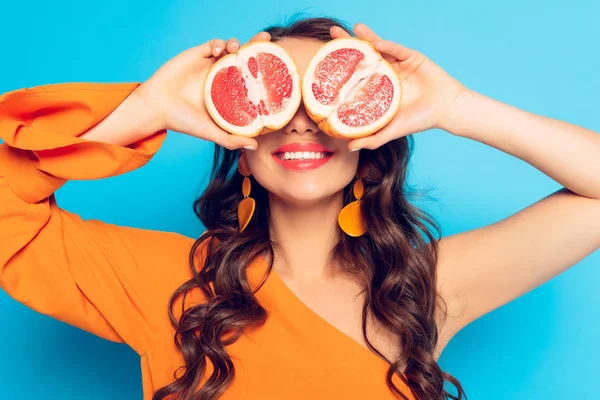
pixel 356 149
pixel 236 46
pixel 218 50
pixel 249 148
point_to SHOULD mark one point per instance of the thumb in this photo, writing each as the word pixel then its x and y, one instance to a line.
pixel 233 142
pixel 188 120
pixel 394 130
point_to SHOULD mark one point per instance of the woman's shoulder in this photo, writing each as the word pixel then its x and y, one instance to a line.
pixel 160 263
pixel 161 256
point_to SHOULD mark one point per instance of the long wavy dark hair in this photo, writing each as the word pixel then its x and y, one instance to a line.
pixel 396 266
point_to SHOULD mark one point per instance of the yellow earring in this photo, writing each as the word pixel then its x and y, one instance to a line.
pixel 350 219
pixel 247 205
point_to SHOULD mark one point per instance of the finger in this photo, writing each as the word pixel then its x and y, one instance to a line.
pixel 261 37
pixel 364 32
pixel 233 142
pixel 186 119
pixel 193 54
pixel 399 52
pixel 212 132
pixel 369 143
pixel 391 131
pixel 232 45
pixel 217 47
pixel 215 134
pixel 337 32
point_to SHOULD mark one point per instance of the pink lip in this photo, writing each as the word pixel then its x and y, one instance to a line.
pixel 302 165
pixel 302 146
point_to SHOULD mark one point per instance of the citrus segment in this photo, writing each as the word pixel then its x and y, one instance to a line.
pixel 276 80
pixel 371 102
pixel 230 97
pixel 333 72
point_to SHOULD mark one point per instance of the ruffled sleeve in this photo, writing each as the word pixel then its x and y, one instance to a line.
pixel 41 128
pixel 106 279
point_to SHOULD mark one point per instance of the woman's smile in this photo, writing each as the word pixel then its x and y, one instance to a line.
pixel 302 156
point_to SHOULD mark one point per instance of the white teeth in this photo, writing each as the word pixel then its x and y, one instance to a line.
pixel 301 155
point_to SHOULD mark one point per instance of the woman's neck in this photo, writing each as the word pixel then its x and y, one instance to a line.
pixel 306 235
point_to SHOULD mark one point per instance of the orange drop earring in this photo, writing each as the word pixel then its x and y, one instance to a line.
pixel 350 219
pixel 247 205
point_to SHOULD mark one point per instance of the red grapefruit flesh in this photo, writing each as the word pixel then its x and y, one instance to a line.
pixel 350 90
pixel 229 94
pixel 277 81
pixel 254 91
pixel 333 72
pixel 370 104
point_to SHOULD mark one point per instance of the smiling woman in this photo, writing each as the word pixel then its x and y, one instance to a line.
pixel 257 294
pixel 276 299
pixel 294 228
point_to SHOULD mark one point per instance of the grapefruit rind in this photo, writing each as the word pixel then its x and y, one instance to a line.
pixel 325 115
pixel 263 123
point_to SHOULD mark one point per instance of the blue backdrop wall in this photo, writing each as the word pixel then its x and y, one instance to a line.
pixel 537 55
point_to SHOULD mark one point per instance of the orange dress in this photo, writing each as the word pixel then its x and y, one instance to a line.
pixel 116 281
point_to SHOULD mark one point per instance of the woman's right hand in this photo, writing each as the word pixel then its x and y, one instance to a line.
pixel 174 93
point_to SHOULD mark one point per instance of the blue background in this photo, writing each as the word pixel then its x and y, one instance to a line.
pixel 541 56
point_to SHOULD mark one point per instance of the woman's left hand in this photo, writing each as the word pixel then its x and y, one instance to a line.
pixel 428 92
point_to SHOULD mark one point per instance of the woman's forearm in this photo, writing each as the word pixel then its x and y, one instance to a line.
pixel 565 152
pixel 131 121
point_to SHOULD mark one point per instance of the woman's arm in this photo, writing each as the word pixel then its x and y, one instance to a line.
pixel 567 153
pixel 133 120
pixel 110 280
pixel 88 273
pixel 483 269
pixel 172 99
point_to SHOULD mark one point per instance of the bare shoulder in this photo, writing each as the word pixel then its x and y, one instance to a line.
pixel 482 269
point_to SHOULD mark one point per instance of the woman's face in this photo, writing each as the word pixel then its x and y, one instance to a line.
pixel 302 186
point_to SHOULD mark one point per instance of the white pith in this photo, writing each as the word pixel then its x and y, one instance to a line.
pixel 256 90
pixel 355 83
pixel 373 62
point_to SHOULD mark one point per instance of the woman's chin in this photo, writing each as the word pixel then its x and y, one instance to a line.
pixel 303 197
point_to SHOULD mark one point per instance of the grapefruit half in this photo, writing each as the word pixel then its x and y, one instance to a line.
pixel 349 90
pixel 253 91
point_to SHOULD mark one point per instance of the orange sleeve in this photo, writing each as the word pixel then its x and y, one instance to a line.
pixel 103 278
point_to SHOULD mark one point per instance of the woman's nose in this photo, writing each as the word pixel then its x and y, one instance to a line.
pixel 301 123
